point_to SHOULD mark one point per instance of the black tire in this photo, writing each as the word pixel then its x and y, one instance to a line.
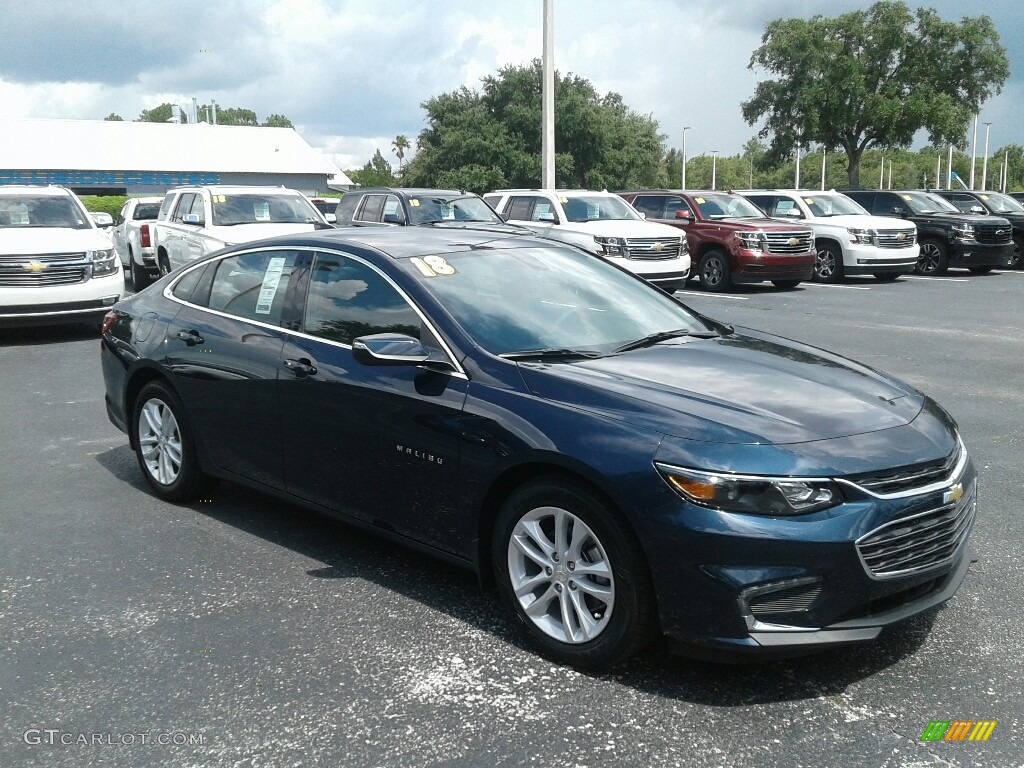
pixel 787 285
pixel 140 277
pixel 188 480
pixel 714 272
pixel 981 270
pixel 620 627
pixel 934 259
pixel 163 264
pixel 886 277
pixel 828 266
pixel 1017 259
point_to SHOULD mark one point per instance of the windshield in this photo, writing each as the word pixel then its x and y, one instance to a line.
pixel 833 205
pixel 27 211
pixel 1000 203
pixel 262 208
pixel 727 206
pixel 512 299
pixel 434 209
pixel 596 207
pixel 926 202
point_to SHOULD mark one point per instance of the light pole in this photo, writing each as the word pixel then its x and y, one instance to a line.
pixel 823 169
pixel 984 163
pixel 547 119
pixel 796 180
pixel 974 149
pixel 685 129
pixel 714 167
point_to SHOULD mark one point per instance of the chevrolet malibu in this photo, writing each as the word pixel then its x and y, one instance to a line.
pixel 618 465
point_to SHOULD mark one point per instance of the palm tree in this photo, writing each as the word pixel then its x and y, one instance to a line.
pixel 400 144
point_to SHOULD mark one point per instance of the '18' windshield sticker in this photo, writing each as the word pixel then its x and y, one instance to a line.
pixel 271 279
pixel 414 203
pixel 432 266
pixel 700 200
pixel 907 198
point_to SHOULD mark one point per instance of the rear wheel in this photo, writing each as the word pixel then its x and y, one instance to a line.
pixel 572 573
pixel 933 259
pixel 163 264
pixel 164 444
pixel 714 272
pixel 786 284
pixel 828 266
pixel 140 277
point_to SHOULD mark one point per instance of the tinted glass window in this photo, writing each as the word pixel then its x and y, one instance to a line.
pixel 262 208
pixel 347 299
pixel 253 285
pixel 371 208
pixel 651 205
pixel 197 208
pixel 765 202
pixel 520 208
pixel 184 205
pixel 392 212
pixel 675 204
pixel 184 287
pixel 146 211
pixel 492 200
pixel 165 206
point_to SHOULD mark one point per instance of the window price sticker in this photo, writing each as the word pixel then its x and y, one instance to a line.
pixel 271 279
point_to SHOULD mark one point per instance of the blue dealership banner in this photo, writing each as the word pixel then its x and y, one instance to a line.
pixel 107 178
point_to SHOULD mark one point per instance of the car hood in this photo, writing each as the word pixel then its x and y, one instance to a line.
pixel 746 388
pixel 962 218
pixel 864 221
pixel 244 233
pixel 37 241
pixel 622 228
pixel 760 225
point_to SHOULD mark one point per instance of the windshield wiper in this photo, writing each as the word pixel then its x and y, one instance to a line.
pixel 551 353
pixel 655 338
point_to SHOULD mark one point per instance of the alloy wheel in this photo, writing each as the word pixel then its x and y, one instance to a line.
pixel 160 441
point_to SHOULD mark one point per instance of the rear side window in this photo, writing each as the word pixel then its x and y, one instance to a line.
pixel 520 208
pixel 653 206
pixel 183 288
pixel 253 285
pixel 371 208
pixel 493 200
pixel 184 205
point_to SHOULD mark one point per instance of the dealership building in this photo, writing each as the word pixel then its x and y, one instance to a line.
pixel 101 157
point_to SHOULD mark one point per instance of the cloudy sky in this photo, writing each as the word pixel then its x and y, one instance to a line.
pixel 351 74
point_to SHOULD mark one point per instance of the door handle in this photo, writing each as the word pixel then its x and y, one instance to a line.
pixel 190 337
pixel 301 368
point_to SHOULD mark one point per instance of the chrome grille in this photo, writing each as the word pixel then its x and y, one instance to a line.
pixel 908 477
pixel 653 247
pixel 787 242
pixel 917 543
pixel 786 600
pixel 896 238
pixel 993 234
pixel 45 258
pixel 56 274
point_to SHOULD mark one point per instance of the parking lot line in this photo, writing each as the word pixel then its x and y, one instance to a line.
pixel 707 295
pixel 847 287
pixel 944 279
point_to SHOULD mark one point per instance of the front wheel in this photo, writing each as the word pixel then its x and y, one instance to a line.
pixel 714 272
pixel 163 444
pixel 572 573
pixel 828 266
pixel 933 259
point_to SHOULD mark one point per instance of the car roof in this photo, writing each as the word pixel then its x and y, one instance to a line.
pixel 410 191
pixel 408 242
pixel 560 192
pixel 29 189
pixel 234 189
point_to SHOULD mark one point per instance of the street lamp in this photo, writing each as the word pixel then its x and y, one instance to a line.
pixel 984 163
pixel 974 149
pixel 685 129
pixel 796 180
pixel 714 167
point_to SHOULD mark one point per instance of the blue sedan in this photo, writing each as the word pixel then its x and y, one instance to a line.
pixel 618 465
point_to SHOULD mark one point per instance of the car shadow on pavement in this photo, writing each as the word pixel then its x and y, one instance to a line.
pixel 346 551
pixel 49 334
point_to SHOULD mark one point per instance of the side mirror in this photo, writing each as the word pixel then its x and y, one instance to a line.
pixel 504 216
pixel 683 215
pixel 102 219
pixel 331 218
pixel 389 349
pixel 391 218
pixel 191 218
pixel 642 214
pixel 978 209
pixel 549 218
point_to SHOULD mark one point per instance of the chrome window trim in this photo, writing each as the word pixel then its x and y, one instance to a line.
pixel 459 371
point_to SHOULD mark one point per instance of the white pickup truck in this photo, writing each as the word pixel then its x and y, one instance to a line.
pixel 133 239
pixel 195 221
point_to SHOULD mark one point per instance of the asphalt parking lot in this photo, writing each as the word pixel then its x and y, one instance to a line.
pixel 240 631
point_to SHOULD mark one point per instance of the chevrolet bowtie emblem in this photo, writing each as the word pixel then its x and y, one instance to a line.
pixel 954 494
pixel 659 247
pixel 794 241
pixel 901 236
pixel 35 266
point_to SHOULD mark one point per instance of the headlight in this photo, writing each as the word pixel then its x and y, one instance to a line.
pixel 964 231
pixel 859 235
pixel 752 494
pixel 750 240
pixel 684 246
pixel 103 263
pixel 610 246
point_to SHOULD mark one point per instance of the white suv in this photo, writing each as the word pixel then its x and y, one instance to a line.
pixel 56 265
pixel 603 224
pixel 195 221
pixel 848 239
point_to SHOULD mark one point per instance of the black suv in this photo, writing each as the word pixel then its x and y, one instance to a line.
pixel 417 207
pixel 973 201
pixel 948 237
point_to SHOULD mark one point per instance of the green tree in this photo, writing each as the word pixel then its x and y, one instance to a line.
pixel 114 117
pixel 873 78
pixel 482 140
pixel 160 114
pixel 376 173
pixel 400 144
pixel 277 121
pixel 236 116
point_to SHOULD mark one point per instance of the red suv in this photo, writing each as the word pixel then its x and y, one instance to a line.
pixel 731 240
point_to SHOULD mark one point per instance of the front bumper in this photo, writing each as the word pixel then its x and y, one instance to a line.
pixel 78 302
pixel 901 265
pixel 757 266
pixel 970 253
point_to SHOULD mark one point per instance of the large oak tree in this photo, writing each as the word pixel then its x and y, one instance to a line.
pixel 873 78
